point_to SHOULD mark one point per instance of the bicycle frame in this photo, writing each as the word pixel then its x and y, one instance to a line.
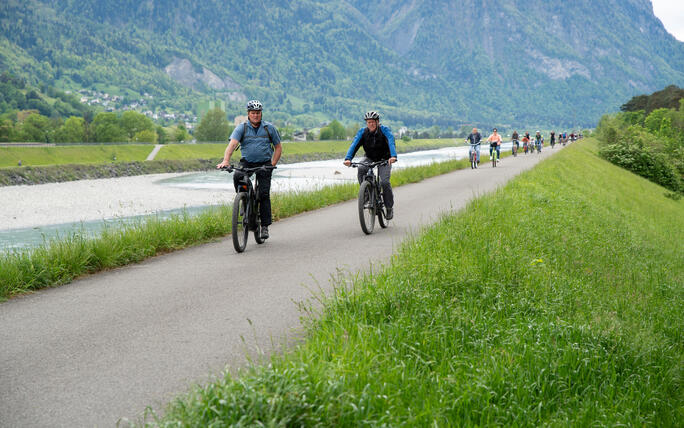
pixel 246 207
pixel 472 155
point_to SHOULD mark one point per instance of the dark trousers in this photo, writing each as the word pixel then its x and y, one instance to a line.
pixel 263 179
pixel 384 173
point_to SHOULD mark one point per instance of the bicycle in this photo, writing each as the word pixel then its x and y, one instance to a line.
pixel 494 155
pixel 472 155
pixel 370 202
pixel 514 148
pixel 246 207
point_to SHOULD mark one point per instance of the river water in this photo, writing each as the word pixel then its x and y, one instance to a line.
pixel 288 177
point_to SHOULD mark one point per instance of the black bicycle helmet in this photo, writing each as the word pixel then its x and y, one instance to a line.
pixel 254 105
pixel 371 115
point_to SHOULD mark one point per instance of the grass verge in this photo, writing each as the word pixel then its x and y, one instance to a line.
pixel 59 261
pixel 556 301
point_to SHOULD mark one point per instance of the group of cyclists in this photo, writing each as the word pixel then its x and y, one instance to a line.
pixel 529 144
pixel 260 145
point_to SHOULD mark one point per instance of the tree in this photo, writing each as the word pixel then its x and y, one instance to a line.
pixel 214 126
pixel 146 136
pixel 106 128
pixel 334 131
pixel 133 122
pixel 73 131
pixel 181 133
pixel 35 127
pixel 162 136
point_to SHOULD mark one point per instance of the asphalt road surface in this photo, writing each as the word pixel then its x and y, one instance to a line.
pixel 100 350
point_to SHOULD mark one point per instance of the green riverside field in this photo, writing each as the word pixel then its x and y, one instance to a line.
pixel 105 153
pixel 558 300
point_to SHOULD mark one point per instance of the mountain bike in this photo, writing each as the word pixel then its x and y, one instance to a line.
pixel 472 156
pixel 494 155
pixel 371 203
pixel 526 147
pixel 246 207
pixel 514 148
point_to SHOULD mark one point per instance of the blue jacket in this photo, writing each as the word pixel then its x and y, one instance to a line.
pixel 377 146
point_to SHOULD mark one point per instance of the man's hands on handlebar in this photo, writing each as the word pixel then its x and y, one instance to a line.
pixel 391 160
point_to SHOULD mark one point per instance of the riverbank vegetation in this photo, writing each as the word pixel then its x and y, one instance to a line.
pixel 61 260
pixel 557 300
pixel 647 138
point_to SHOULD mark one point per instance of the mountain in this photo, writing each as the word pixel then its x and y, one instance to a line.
pixel 420 62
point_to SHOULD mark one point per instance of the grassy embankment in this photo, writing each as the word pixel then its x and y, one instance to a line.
pixel 99 153
pixel 558 300
pixel 60 261
pixel 68 163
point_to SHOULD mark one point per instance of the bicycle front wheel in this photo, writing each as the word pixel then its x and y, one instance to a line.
pixel 257 222
pixel 240 222
pixel 367 207
pixel 381 210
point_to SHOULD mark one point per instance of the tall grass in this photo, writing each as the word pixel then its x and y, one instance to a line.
pixel 558 300
pixel 61 260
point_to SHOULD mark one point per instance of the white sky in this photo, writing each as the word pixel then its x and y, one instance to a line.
pixel 671 13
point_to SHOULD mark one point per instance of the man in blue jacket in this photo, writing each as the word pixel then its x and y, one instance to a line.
pixel 378 144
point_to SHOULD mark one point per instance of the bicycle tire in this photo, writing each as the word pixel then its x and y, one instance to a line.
pixel 240 227
pixel 257 221
pixel 493 158
pixel 366 207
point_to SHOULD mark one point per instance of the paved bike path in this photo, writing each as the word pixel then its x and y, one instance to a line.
pixel 106 346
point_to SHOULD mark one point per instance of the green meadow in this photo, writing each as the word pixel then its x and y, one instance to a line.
pixel 102 153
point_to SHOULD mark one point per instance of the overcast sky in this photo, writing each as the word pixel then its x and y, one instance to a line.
pixel 671 13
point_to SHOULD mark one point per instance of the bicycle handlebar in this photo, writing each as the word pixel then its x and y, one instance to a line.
pixel 370 165
pixel 231 168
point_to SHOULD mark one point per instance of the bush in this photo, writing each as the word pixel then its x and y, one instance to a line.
pixel 643 154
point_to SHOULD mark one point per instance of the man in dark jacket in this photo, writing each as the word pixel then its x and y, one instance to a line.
pixel 378 144
pixel 474 139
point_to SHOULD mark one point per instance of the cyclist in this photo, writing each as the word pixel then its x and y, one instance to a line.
pixel 495 144
pixel 474 139
pixel 516 143
pixel 526 142
pixel 553 138
pixel 378 144
pixel 538 141
pixel 260 145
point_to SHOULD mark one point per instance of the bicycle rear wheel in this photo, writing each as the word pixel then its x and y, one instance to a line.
pixel 367 207
pixel 240 229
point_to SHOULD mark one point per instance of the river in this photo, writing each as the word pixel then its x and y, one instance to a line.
pixel 38 214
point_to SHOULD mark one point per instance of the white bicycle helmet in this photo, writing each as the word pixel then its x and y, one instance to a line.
pixel 371 115
pixel 254 105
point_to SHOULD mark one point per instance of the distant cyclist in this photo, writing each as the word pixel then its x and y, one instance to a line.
pixel 474 140
pixel 526 142
pixel 552 139
pixel 516 143
pixel 495 144
pixel 538 141
pixel 260 145
pixel 378 144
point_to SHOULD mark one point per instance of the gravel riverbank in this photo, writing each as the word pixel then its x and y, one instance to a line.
pixel 85 200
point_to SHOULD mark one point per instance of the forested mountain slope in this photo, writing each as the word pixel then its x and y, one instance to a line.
pixel 418 61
